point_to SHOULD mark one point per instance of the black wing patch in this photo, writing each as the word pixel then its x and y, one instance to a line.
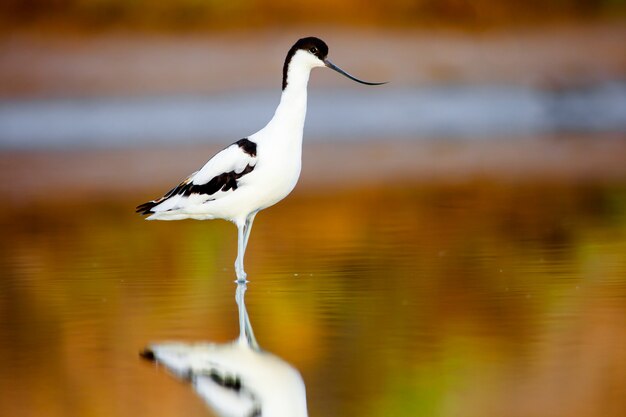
pixel 146 208
pixel 227 381
pixel 233 383
pixel 247 146
pixel 223 182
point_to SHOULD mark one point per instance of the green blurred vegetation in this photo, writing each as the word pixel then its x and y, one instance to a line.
pixel 215 14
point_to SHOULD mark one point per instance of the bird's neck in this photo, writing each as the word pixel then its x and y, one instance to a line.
pixel 291 111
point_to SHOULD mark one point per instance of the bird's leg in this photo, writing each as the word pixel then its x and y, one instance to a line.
pixel 241 306
pixel 243 234
pixel 248 226
pixel 246 335
pixel 241 274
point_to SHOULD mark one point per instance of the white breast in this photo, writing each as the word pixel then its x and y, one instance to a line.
pixel 278 167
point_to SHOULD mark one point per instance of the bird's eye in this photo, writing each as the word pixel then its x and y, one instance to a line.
pixel 313 50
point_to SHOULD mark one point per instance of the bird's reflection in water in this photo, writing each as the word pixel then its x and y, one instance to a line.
pixel 237 378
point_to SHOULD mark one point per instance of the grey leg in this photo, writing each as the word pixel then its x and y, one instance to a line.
pixel 246 335
pixel 239 297
pixel 241 274
pixel 249 222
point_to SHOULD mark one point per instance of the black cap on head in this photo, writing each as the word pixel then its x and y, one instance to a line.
pixel 314 45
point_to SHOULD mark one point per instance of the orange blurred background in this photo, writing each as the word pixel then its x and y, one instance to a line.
pixel 196 14
pixel 461 254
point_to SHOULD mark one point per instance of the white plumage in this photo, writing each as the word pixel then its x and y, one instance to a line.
pixel 236 379
pixel 255 172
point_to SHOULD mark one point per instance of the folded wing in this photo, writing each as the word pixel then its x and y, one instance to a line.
pixel 216 179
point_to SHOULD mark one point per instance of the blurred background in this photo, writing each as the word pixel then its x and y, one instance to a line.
pixel 455 245
pixel 195 14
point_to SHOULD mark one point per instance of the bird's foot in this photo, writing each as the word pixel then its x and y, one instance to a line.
pixel 241 277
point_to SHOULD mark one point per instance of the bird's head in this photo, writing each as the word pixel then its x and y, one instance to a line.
pixel 310 53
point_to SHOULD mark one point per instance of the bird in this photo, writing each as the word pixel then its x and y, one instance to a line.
pixel 257 171
pixel 238 378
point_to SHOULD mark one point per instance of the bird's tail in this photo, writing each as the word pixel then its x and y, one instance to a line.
pixel 146 208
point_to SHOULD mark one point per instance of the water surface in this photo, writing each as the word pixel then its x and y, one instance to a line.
pixel 481 298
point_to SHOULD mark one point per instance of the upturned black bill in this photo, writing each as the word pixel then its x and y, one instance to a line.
pixel 340 71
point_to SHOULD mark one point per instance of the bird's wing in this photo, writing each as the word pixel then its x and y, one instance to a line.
pixel 234 158
pixel 220 173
